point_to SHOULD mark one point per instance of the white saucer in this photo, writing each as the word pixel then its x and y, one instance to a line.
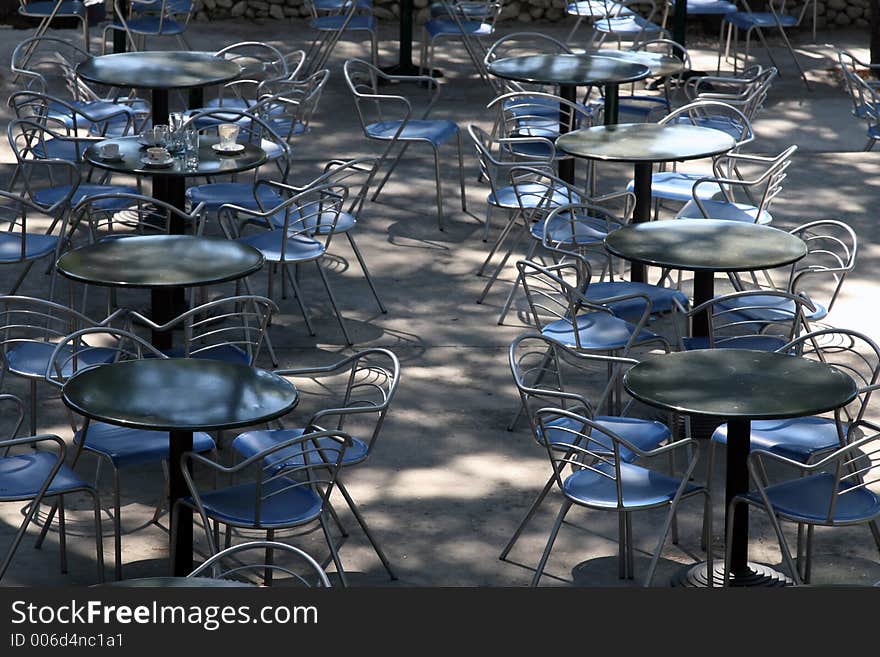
pixel 159 164
pixel 235 148
pixel 115 158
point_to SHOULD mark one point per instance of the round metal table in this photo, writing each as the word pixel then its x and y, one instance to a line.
pixel 169 183
pixel 160 71
pixel 705 246
pixel 570 72
pixel 162 264
pixel 737 386
pixel 643 144
pixel 179 395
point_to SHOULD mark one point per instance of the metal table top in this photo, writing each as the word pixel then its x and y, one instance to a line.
pixel 739 383
pixel 158 69
pixel 155 261
pixel 567 69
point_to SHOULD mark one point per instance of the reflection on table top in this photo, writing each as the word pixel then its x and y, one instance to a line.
pixel 657 63
pixel 739 383
pixel 210 162
pixel 158 69
pixel 706 245
pixel 645 142
pixel 567 69
pixel 151 261
pixel 182 394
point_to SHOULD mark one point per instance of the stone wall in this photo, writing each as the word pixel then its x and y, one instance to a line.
pixel 831 12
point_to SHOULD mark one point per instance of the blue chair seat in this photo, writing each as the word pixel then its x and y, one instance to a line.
pixel 253 442
pixel 32 358
pixel 710 7
pixel 530 196
pixel 45 7
pixel 333 23
pixel 52 195
pixel 772 309
pixel 437 131
pixel 213 195
pixel 171 7
pixel 229 353
pixel 583 230
pixel 644 434
pixel 318 223
pixel 298 249
pixel 641 487
pixel 99 111
pixel 596 9
pixel 22 476
pixel 642 105
pixel 678 186
pixel 449 27
pixel 725 210
pixel 798 438
pixel 337 5
pixel 531 149
pixel 597 331
pixel 36 246
pixel 745 20
pixel 807 499
pixel 229 102
pixel 149 24
pixel 62 149
pixel 236 504
pixel 662 298
pixel 627 25
pixel 125 447
pixel 756 342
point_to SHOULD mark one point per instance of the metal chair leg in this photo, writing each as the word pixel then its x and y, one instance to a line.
pixel 439 189
pixel 363 524
pixel 529 514
pixel 334 553
pixel 363 264
pixel 566 505
pixel 62 535
pixel 461 174
pixel 333 302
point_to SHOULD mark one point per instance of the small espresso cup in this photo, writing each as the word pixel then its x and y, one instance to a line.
pixel 157 154
pixel 109 151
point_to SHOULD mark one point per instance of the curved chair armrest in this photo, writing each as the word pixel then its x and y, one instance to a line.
pixel 42 438
pixel 170 324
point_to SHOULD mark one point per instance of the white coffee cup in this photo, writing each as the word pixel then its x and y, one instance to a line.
pixel 157 154
pixel 110 151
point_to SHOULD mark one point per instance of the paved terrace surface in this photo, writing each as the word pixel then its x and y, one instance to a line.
pixel 447 484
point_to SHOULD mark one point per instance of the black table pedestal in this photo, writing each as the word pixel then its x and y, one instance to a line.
pixel 642 211
pixel 612 103
pixel 182 538
pixel 566 166
pixel 404 65
pixel 704 290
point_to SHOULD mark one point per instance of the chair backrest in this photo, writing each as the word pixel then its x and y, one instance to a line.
pixel 258 60
pixel 534 114
pixel 234 569
pixel 746 92
pixel 70 355
pixel 579 227
pixel 850 351
pixel 670 48
pixel 288 104
pixel 314 469
pixel 48 65
pixel 100 216
pixel 714 114
pixel 13 417
pixel 231 327
pixel 15 213
pixel 29 319
pixel 362 387
pixel 735 319
pixel 851 68
pixel 831 255
pixel 362 79
pixel 868 99
pixel 495 159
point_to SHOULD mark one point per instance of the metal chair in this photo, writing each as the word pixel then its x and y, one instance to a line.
pixel 260 63
pixel 561 311
pixel 140 19
pixel 370 379
pixel 543 372
pixel 832 492
pixel 231 329
pixel 356 175
pixel 746 92
pixel 214 565
pixel 601 479
pixel 286 236
pixel 30 329
pixel 593 10
pixel 756 21
pixel 805 439
pixel 764 320
pixel 331 24
pixel 678 186
pixel 469 22
pixel 633 21
pixel 851 67
pixel 37 475
pixel 760 190
pixel 866 101
pixel 120 447
pixel 389 118
pixel 293 494
pixel 49 10
pixel 819 276
pixel 48 64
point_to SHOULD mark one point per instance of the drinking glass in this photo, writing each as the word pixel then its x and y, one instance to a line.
pixel 190 140
pixel 228 134
pixel 160 135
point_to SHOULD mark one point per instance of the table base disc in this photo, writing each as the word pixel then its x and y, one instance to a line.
pixel 757 575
